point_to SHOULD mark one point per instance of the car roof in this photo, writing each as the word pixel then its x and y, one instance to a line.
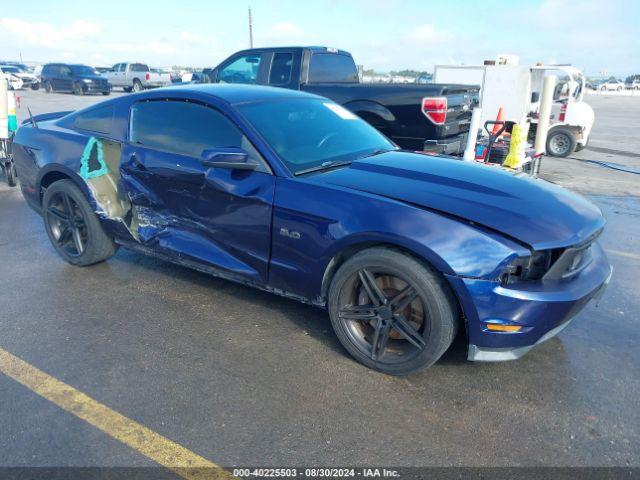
pixel 236 93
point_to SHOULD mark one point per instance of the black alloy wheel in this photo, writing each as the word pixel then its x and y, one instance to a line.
pixel 67 224
pixel 72 226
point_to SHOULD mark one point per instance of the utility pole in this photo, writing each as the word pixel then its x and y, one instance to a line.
pixel 250 29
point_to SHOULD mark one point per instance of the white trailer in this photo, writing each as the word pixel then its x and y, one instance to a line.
pixel 517 89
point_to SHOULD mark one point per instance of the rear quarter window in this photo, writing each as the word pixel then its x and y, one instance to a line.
pixel 332 68
pixel 99 120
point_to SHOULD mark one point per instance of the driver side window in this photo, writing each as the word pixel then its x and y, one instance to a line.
pixel 242 70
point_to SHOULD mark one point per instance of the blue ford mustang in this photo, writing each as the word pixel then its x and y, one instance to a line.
pixel 291 193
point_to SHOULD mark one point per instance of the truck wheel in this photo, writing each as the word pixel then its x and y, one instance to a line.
pixel 12 175
pixel 391 312
pixel 72 227
pixel 137 86
pixel 561 142
pixel 126 89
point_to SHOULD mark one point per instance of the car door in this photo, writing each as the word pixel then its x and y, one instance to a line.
pixel 64 79
pixel 250 69
pixel 115 77
pixel 219 217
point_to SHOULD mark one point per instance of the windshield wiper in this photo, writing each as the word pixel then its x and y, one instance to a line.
pixel 323 166
pixel 376 152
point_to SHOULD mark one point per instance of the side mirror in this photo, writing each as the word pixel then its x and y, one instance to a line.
pixel 535 97
pixel 231 158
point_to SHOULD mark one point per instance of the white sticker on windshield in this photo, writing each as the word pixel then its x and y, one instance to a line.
pixel 340 111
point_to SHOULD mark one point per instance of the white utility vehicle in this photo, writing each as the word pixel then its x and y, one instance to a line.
pixel 517 90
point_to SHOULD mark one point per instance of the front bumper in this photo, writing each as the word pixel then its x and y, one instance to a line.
pixel 541 309
pixel 96 88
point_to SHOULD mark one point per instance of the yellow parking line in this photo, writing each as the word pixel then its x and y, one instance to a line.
pixel 618 253
pixel 161 450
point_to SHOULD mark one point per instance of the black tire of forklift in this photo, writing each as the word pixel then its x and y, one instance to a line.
pixel 561 142
pixel 12 175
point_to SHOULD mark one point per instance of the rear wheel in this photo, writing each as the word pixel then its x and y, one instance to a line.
pixel 72 227
pixel 137 86
pixel 561 142
pixel 391 312
pixel 12 175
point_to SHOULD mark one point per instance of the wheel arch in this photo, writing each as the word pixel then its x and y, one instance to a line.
pixel 352 249
pixel 372 112
pixel 52 173
pixel 423 255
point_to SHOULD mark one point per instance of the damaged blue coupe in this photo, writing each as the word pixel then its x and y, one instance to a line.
pixel 292 193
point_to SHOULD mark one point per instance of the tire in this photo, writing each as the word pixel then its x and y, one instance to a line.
pixel 126 89
pixel 106 93
pixel 77 89
pixel 48 87
pixel 429 319
pixel 35 86
pixel 561 142
pixel 85 229
pixel 603 88
pixel 137 86
pixel 12 175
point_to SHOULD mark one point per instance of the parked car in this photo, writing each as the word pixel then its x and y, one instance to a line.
pixel 632 82
pixel 433 117
pixel 136 77
pixel 294 194
pixel 610 85
pixel 13 82
pixel 28 79
pixel 75 78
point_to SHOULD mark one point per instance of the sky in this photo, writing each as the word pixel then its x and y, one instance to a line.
pixel 600 37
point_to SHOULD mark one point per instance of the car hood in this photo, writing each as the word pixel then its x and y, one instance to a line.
pixel 95 78
pixel 530 210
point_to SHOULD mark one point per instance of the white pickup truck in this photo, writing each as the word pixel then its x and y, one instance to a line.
pixel 136 77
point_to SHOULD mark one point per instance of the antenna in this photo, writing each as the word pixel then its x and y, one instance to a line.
pixel 250 29
pixel 31 119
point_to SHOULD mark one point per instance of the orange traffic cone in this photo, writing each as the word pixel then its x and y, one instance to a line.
pixel 499 118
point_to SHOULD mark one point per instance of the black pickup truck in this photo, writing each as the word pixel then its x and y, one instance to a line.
pixel 432 117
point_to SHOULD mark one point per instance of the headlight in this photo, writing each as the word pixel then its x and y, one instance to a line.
pixel 529 268
pixel 87 80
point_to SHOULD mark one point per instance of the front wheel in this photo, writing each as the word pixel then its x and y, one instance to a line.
pixel 561 142
pixel 391 312
pixel 72 227
pixel 77 89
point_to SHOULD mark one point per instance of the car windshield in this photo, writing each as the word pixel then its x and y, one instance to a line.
pixel 311 134
pixel 83 70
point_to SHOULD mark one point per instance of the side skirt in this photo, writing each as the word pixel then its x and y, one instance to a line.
pixel 317 302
